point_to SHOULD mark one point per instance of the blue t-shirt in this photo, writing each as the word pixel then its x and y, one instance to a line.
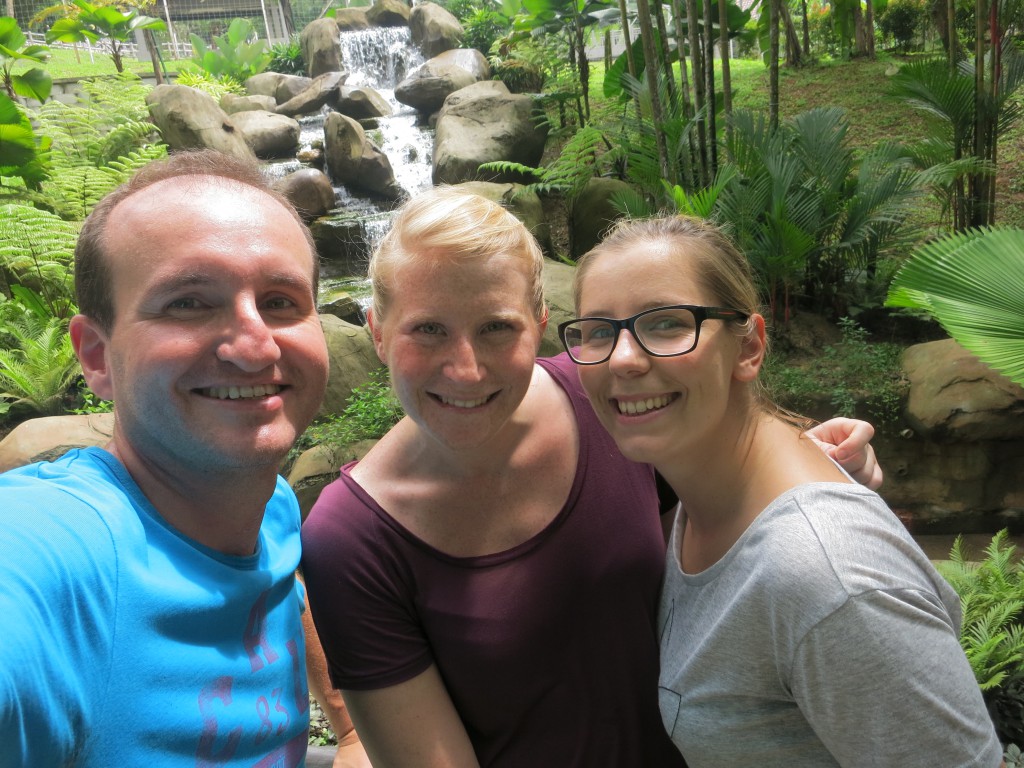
pixel 125 643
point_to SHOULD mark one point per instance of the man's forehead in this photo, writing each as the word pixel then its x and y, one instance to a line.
pixel 197 191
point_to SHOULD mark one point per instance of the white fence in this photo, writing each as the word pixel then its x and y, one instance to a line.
pixel 178 49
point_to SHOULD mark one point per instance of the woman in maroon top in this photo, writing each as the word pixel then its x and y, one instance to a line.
pixel 485 581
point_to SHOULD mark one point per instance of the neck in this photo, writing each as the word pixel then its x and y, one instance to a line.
pixel 222 510
pixel 726 487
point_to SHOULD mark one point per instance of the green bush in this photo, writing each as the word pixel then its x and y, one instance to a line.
pixel 992 634
pixel 901 21
pixel 481 28
pixel 231 53
pixel 211 84
pixel 855 370
pixel 372 410
pixel 287 59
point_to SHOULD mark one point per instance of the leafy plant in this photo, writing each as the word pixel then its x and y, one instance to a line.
pixel 33 83
pixel 855 370
pixel 372 410
pixel 37 370
pixel 231 53
pixel 992 633
pixel 90 402
pixel 901 20
pixel 207 83
pixel 102 23
pixel 37 251
pixel 287 58
pixel 23 154
pixel 973 283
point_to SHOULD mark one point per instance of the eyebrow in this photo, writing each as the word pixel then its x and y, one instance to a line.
pixel 177 281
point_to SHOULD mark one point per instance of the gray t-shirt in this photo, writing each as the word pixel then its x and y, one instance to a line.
pixel 823 637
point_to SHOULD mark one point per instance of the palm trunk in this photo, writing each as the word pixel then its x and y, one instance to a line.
pixel 773 65
pixel 723 40
pixel 643 13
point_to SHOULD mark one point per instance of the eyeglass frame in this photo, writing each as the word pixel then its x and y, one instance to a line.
pixel 700 314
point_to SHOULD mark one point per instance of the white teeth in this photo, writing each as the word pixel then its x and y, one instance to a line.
pixel 464 403
pixel 235 393
pixel 635 407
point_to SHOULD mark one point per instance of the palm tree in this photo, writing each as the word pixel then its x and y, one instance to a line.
pixel 99 22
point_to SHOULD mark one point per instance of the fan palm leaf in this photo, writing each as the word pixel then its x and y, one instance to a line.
pixel 972 283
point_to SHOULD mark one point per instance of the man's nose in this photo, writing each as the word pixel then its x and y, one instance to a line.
pixel 248 341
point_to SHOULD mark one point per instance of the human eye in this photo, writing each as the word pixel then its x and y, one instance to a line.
pixel 596 332
pixel 430 329
pixel 669 322
pixel 184 304
pixel 496 326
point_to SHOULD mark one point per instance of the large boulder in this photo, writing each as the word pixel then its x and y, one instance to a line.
pixel 321 47
pixel 352 358
pixel 351 19
pixel 50 437
pixel 276 84
pixel 270 135
pixel 433 29
pixel 362 103
pixel 355 161
pixel 593 213
pixel 388 13
pixel 191 119
pixel 955 395
pixel 323 89
pixel 309 190
pixel 483 123
pixel 426 88
pixel 232 103
pixel 558 294
pixel 525 206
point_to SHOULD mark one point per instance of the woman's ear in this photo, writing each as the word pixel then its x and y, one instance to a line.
pixel 90 343
pixel 752 350
pixel 376 333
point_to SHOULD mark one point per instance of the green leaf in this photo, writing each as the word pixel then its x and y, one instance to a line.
pixel 35 84
pixel 973 284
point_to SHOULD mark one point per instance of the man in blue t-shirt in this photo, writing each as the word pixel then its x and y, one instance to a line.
pixel 150 614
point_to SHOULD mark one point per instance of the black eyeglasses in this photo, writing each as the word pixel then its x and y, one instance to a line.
pixel 660 332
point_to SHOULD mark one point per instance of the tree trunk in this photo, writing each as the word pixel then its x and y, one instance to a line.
pixel 806 28
pixel 643 13
pixel 869 26
pixel 289 18
pixel 154 56
pixel 859 35
pixel 723 39
pixel 709 89
pixel 794 57
pixel 773 65
pixel 10 8
pixel 697 73
pixel 670 80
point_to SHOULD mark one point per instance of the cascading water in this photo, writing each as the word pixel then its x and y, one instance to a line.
pixel 379 59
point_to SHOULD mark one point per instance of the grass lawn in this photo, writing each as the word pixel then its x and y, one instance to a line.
pixel 73 63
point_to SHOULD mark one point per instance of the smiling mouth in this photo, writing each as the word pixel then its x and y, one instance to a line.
pixel 465 403
pixel 241 393
pixel 637 407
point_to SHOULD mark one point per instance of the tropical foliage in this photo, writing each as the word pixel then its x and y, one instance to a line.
pixel 38 363
pixel 231 54
pixel 102 24
pixel 23 154
pixel 972 283
pixel 992 632
pixel 33 83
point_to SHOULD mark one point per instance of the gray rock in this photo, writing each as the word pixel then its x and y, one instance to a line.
pixel 270 135
pixel 362 104
pixel 483 123
pixel 191 119
pixel 388 13
pixel 433 29
pixel 351 19
pixel 352 358
pixel 323 89
pixel 232 103
pixel 50 437
pixel 353 160
pixel 310 191
pixel 593 213
pixel 321 47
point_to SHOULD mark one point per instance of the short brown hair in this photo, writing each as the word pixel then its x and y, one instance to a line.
pixel 92 271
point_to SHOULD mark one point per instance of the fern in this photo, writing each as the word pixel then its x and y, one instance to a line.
pixel 39 370
pixel 37 251
pixel 992 635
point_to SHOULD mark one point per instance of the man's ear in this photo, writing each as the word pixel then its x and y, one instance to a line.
pixel 91 343
pixel 752 350
pixel 376 333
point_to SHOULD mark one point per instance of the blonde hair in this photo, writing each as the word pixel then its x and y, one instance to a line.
pixel 449 224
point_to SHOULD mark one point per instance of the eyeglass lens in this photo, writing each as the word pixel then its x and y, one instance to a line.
pixel 662 332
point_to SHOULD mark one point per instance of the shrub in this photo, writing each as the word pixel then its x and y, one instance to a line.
pixel 992 634
pixel 230 53
pixel 286 58
pixel 901 21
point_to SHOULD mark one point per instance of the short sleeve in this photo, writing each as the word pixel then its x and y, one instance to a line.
pixel 883 682
pixel 361 593
pixel 57 603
